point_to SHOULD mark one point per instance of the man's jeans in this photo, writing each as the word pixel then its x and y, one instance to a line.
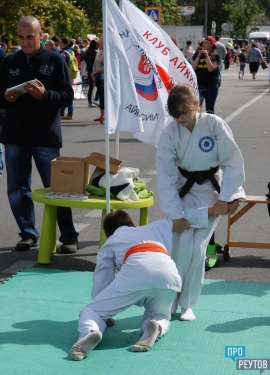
pixel 209 93
pixel 19 171
pixel 1 159
pixel 70 110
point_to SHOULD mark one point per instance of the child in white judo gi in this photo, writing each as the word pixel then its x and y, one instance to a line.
pixel 147 277
pixel 198 165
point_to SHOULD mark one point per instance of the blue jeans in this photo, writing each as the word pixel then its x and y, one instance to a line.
pixel 1 159
pixel 19 171
pixel 70 110
pixel 209 93
pixel 90 90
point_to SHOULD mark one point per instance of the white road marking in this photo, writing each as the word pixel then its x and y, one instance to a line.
pixel 94 213
pixel 153 171
pixel 80 227
pixel 16 267
pixel 243 107
pixel 146 179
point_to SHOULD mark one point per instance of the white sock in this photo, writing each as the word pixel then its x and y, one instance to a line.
pixel 187 314
pixel 148 338
pixel 82 347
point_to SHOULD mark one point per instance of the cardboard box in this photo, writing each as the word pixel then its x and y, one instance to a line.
pixel 98 160
pixel 69 175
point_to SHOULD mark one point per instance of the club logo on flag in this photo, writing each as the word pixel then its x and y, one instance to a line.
pixel 143 75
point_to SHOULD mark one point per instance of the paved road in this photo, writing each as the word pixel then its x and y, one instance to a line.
pixel 244 104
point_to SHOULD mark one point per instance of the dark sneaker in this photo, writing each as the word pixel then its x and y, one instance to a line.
pixel 69 247
pixel 26 244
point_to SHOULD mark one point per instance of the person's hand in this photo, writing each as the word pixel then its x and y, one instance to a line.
pixel 220 208
pixel 35 89
pixel 233 206
pixel 179 225
pixel 12 96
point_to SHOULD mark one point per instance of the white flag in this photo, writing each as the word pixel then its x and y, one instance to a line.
pixel 131 68
pixel 120 88
pixel 170 62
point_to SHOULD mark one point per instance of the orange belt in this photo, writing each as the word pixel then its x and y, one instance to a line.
pixel 143 247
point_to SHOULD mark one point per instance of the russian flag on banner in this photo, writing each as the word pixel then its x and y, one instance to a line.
pixel 169 60
pixel 130 70
pixel 142 58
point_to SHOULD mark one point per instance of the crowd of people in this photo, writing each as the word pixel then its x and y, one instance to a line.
pixel 231 54
pixel 200 173
pixel 84 50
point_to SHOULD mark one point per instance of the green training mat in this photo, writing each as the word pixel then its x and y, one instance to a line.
pixel 39 311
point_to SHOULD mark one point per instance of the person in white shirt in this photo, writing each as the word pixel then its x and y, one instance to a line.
pixel 147 277
pixel 188 50
pixel 198 165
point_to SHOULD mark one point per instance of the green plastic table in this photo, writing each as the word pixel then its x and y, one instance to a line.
pixel 48 232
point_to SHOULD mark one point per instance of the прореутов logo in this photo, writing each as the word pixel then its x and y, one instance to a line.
pixel 238 353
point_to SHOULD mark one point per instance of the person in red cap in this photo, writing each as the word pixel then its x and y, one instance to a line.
pixel 206 65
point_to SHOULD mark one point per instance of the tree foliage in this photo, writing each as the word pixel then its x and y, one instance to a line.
pixel 170 10
pixel 93 9
pixel 59 17
pixel 80 17
pixel 241 14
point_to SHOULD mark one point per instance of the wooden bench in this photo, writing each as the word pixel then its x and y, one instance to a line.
pixel 251 200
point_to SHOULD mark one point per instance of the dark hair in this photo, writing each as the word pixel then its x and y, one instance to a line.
pixel 55 38
pixel 115 220
pixel 217 37
pixel 181 95
pixel 76 49
pixel 65 40
pixel 189 42
pixel 93 44
pixel 254 44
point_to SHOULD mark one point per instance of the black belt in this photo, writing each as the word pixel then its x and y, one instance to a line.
pixel 200 177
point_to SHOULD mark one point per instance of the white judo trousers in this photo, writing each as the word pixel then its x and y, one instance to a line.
pixel 148 279
pixel 211 144
pixel 189 247
pixel 110 302
pixel 189 253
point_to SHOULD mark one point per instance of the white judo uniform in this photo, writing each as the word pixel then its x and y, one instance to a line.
pixel 210 144
pixel 148 279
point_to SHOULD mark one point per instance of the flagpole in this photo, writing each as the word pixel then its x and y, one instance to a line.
pixel 105 64
pixel 117 134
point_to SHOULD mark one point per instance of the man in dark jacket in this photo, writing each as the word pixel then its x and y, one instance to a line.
pixel 32 128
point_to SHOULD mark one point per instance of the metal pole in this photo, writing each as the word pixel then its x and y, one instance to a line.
pixel 107 149
pixel 205 17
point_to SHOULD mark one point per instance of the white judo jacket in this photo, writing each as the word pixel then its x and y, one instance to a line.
pixel 211 143
pixel 144 270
